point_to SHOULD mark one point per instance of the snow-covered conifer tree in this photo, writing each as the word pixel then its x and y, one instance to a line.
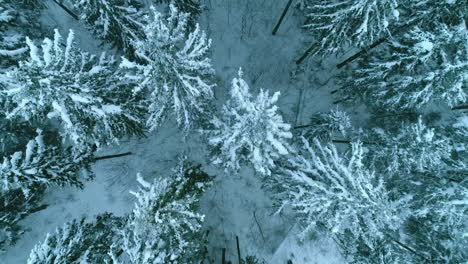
pixel 414 69
pixel 432 13
pixel 250 130
pixel 414 148
pixel 117 21
pixel 438 228
pixel 45 165
pixel 340 24
pixel 327 125
pixel 15 205
pixel 340 195
pixel 86 94
pixel 79 241
pixel 192 7
pixel 177 70
pixel 165 226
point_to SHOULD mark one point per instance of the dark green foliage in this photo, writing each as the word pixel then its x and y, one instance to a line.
pixel 15 205
pixel 412 70
pixel 327 126
pixel 116 21
pixel 192 7
pixel 87 95
pixel 79 241
pixel 253 260
pixel 45 165
pixel 165 225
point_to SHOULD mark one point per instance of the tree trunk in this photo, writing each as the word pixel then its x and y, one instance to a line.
pixel 113 156
pixel 460 107
pixel 341 100
pixel 409 249
pixel 345 141
pixel 305 55
pixel 282 17
pixel 361 52
pixel 238 250
pixel 223 256
pixel 259 227
pixel 66 10
pixel 38 209
pixel 376 43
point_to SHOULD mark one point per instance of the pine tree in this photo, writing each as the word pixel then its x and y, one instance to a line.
pixel 429 165
pixel 79 241
pixel 438 226
pixel 87 95
pixel 438 229
pixel 165 226
pixel 44 165
pixel 249 131
pixel 414 148
pixel 328 125
pixel 116 21
pixel 433 13
pixel 176 68
pixel 340 195
pixel 339 24
pixel 419 67
pixel 15 205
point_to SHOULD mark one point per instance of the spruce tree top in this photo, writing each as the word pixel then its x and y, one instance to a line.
pixel 176 68
pixel 250 130
pixel 86 94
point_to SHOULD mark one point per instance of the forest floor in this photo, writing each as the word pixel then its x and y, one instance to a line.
pixel 236 205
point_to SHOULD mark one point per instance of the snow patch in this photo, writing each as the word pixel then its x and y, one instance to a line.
pixel 461 122
pixel 425 45
pixel 111 109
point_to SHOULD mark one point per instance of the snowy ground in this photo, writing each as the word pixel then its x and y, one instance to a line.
pixel 236 205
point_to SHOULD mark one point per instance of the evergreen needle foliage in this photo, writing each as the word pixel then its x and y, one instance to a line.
pixel 86 94
pixel 250 130
pixel 176 69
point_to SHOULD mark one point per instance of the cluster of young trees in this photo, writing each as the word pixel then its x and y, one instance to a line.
pixel 396 195
pixel 164 227
pixel 59 104
pixel 413 52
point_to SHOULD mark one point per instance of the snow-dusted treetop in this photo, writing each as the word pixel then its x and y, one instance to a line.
pixel 15 205
pixel 328 125
pixel 413 148
pixel 338 24
pixel 192 7
pixel 165 226
pixel 117 21
pixel 45 165
pixel 250 130
pixel 415 69
pixel 87 95
pixel 177 69
pixel 337 192
pixel 79 241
